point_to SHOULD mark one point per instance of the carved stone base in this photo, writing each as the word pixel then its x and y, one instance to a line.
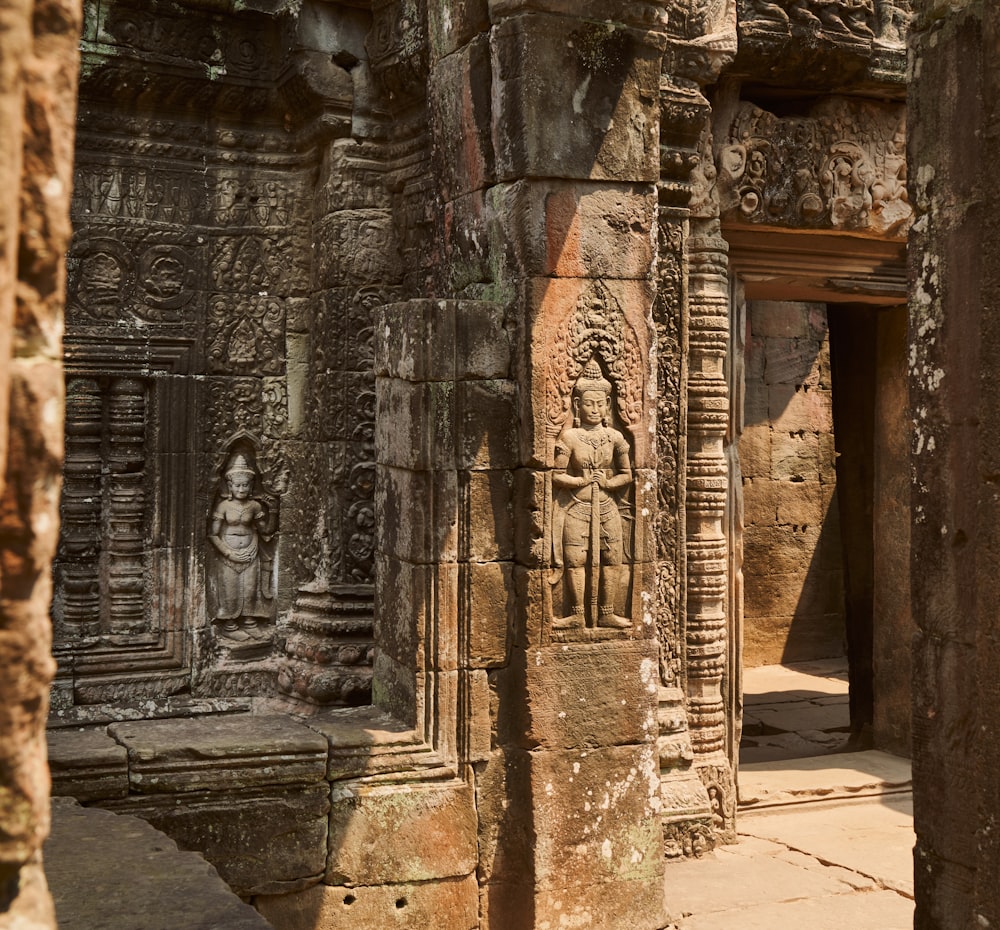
pixel 686 811
pixel 329 647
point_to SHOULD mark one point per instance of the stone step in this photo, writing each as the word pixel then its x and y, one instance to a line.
pixel 114 872
pixel 829 777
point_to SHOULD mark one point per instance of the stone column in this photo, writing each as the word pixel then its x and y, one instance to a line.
pixel 954 361
pixel 38 66
pixel 570 794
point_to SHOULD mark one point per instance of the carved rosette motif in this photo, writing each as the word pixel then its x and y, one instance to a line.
pixel 707 491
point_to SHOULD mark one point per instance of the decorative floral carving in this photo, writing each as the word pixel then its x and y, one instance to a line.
pixel 249 263
pixel 246 334
pixel 842 167
pixel 597 329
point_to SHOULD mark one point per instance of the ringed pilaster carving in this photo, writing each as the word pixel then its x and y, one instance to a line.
pixel 707 489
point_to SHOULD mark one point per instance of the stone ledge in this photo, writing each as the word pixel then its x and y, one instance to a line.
pixel 120 873
pixel 87 764
pixel 220 752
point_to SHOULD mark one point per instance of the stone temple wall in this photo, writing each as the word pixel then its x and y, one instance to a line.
pixel 400 539
pixel 793 591
pixel 37 103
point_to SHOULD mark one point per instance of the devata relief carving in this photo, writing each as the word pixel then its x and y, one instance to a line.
pixel 592 468
pixel 241 578
pixel 593 392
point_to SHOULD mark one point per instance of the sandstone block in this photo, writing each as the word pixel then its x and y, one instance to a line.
pixel 755 451
pixel 769 548
pixel 491 594
pixel 406 906
pixel 450 25
pixel 428 499
pixel 482 340
pixel 596 820
pixel 415 423
pixel 220 753
pixel 779 318
pixel 262 840
pixel 487 420
pixel 432 829
pixel 796 455
pixel 506 838
pixel 144 880
pixel 591 694
pixel 459 94
pixel 799 407
pixel 579 230
pixel 412 341
pixel 760 501
pixel 491 517
pixel 800 503
pixel 87 764
pixel 577 99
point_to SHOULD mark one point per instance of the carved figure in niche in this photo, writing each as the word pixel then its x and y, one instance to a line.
pixel 241 531
pixel 592 466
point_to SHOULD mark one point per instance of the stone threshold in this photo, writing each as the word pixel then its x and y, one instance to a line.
pixel 837 776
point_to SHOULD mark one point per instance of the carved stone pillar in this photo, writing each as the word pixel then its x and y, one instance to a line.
pixel 707 490
pixel 80 538
pixel 126 504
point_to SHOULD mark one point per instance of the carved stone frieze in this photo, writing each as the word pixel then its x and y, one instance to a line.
pixel 251 264
pixel 850 20
pixel 397 50
pixel 842 166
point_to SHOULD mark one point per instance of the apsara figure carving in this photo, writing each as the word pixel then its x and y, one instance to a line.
pixel 241 530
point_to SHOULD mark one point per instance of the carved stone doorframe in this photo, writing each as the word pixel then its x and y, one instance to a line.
pixel 784 265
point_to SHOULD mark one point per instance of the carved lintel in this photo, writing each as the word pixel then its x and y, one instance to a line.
pixel 841 166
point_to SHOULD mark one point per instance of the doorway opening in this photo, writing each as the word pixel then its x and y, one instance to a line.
pixel 820 405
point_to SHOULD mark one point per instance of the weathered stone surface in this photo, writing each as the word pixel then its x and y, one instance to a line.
pixel 570 98
pixel 38 76
pixel 120 873
pixel 433 830
pixel 408 906
pixel 261 840
pixel 575 230
pixel 220 753
pixel 87 764
pixel 565 711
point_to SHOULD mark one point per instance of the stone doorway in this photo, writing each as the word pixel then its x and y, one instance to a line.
pixel 818 498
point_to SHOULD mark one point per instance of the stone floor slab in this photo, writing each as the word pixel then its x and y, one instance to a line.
pixel 880 910
pixel 109 872
pixel 872 836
